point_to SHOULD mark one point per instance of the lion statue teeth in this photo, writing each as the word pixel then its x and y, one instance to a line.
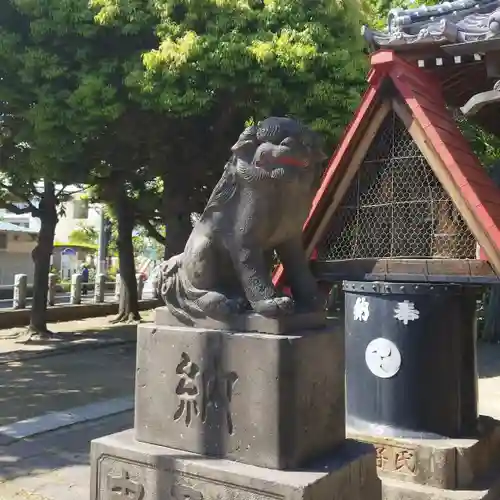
pixel 255 212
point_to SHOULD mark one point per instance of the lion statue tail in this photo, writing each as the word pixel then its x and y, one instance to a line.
pixel 181 298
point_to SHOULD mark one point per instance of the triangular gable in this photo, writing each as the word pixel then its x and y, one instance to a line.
pixel 420 106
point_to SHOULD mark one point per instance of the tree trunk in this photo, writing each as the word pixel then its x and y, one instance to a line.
pixel 47 212
pixel 178 228
pixel 177 224
pixel 129 304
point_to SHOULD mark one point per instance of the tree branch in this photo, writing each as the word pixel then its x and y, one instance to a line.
pixel 30 209
pixel 151 230
pixel 18 194
pixel 59 193
pixel 77 191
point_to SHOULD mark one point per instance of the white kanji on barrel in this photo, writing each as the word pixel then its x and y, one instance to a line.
pixel 405 311
pixel 361 309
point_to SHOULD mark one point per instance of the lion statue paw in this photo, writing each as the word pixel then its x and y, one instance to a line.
pixel 278 306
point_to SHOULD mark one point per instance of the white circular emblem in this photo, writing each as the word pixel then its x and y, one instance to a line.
pixel 383 358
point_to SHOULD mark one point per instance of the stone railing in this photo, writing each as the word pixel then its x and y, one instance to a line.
pixel 98 288
pixel 101 300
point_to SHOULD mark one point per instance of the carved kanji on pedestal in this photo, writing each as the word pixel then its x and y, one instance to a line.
pixel 124 487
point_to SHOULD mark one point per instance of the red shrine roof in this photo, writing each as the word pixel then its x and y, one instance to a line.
pixel 475 195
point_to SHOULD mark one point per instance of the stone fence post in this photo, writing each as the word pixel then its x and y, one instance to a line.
pixel 99 288
pixel 154 285
pixel 140 286
pixel 118 284
pixel 76 289
pixel 51 297
pixel 20 291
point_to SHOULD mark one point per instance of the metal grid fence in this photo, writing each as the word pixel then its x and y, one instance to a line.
pixel 396 207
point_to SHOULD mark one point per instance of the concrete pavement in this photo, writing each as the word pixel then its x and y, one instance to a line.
pixel 86 373
pixel 33 387
pixel 91 361
pixel 70 335
pixel 54 466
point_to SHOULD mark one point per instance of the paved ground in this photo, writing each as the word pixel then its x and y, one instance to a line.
pixel 489 379
pixel 90 362
pixel 32 383
pixel 54 465
pixel 33 387
pixel 90 332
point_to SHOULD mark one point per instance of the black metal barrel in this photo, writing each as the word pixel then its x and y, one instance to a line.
pixel 411 359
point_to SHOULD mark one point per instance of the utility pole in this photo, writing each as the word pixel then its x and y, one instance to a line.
pixel 101 256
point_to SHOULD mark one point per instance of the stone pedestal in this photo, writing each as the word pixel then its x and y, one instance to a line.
pixel 269 400
pixel 123 468
pixel 231 414
pixel 441 469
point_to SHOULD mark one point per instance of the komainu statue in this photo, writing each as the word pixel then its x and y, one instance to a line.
pixel 255 212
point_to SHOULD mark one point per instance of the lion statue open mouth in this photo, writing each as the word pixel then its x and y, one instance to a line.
pixel 255 212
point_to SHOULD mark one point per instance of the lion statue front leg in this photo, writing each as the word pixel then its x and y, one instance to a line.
pixel 253 269
pixel 298 275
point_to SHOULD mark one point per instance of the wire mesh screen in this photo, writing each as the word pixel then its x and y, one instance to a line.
pixel 396 207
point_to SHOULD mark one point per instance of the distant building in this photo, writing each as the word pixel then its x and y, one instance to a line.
pixel 16 245
pixel 68 258
pixel 77 211
pixel 22 220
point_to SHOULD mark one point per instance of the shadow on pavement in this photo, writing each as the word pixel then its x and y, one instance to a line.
pixel 34 387
pixel 17 349
pixel 54 466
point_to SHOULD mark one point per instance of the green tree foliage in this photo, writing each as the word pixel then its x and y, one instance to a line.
pixel 51 104
pixel 61 90
pixel 84 235
pixel 299 57
pixel 144 99
pixel 485 145
pixel 216 64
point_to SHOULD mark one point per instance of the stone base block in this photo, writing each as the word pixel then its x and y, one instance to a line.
pixel 400 490
pixel 264 399
pixel 447 464
pixel 250 322
pixel 123 468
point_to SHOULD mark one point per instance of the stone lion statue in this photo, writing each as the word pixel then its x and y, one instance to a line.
pixel 255 212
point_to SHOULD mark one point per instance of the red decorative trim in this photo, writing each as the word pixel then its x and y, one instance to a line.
pixel 291 161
